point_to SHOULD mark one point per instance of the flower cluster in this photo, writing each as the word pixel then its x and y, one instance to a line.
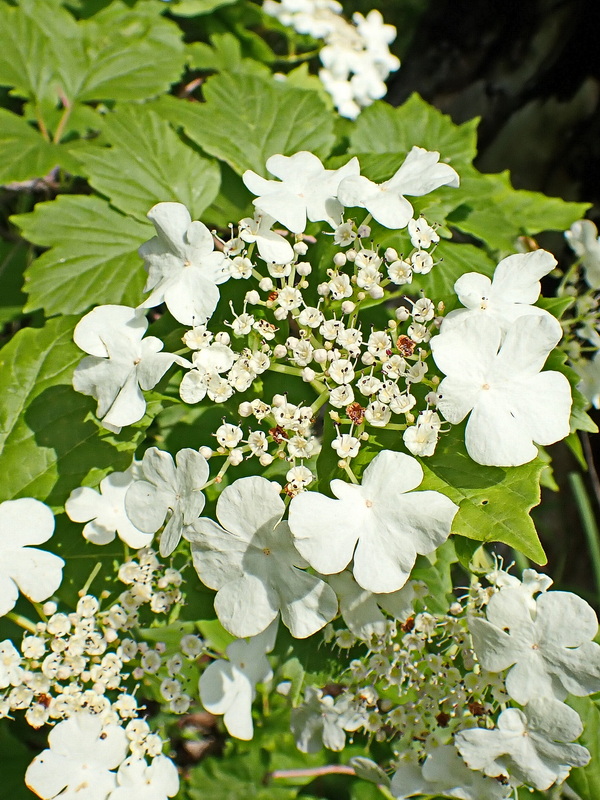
pixel 355 57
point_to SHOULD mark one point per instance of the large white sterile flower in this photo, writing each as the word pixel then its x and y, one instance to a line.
pixel 184 269
pixel 272 247
pixel 168 486
pixel 104 511
pixel 121 363
pixel 444 773
pixel 228 687
pixel 138 780
pixel 511 403
pixel 35 573
pixel 420 174
pixel 79 761
pixel 382 523
pixel 360 608
pixel 551 651
pixel 254 566
pixel 509 295
pixel 532 746
pixel 585 242
pixel 305 189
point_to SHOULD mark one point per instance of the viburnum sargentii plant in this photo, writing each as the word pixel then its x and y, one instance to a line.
pixel 286 380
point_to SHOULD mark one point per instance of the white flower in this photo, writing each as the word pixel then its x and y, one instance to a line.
pixel 81 756
pixel 515 286
pixel 551 651
pixel 420 174
pixel 589 372
pixel 445 773
pixel 11 672
pixel 142 781
pixel 422 235
pixel 168 487
pixel 121 363
pixel 531 746
pixel 183 267
pixel 253 564
pixel 321 720
pixel 228 687
pixel 271 246
pixel 381 523
pixel 305 189
pixel 360 608
pixel 104 511
pixel 35 573
pixel 512 403
pixel 585 242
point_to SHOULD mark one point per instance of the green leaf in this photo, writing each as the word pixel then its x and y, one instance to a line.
pixel 586 780
pixel 194 8
pixel 92 257
pixel 380 128
pixel 48 447
pixel 16 759
pixel 148 163
pixel 270 117
pixel 13 260
pixel 494 502
pixel 223 54
pixel 25 154
pixel 497 214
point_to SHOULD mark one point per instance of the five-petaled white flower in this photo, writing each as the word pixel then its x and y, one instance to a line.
pixel 104 511
pixel 532 746
pixel 36 573
pixel 323 720
pixel 420 174
pixel 80 758
pixel 508 296
pixel 511 403
pixel 382 523
pixel 445 773
pixel 228 687
pixel 141 781
pixel 305 189
pixel 168 486
pixel 121 363
pixel 254 566
pixel 549 647
pixel 184 270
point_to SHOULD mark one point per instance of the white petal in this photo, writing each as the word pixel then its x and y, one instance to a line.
pixel 249 505
pixel 307 602
pixel 91 331
pixel 517 277
pixel 421 173
pixel 24 521
pixel 246 606
pixel 192 298
pixel 171 221
pixel 38 574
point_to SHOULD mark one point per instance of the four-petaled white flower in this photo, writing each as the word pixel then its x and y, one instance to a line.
pixel 104 511
pixel 550 651
pixel 532 746
pixel 508 296
pixel 511 403
pixel 121 363
pixel 254 566
pixel 184 270
pixel 168 487
pixel 36 573
pixel 305 189
pixel 420 174
pixel 382 523
pixel 141 781
pixel 322 720
pixel 228 687
pixel 80 758
pixel 360 608
pixel 445 773
pixel 272 247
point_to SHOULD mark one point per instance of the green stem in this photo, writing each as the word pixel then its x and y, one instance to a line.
pixel 588 521
pixel 296 371
pixel 21 621
pixel 89 581
pixel 320 401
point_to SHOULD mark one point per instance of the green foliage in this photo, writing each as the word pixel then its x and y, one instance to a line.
pixel 586 780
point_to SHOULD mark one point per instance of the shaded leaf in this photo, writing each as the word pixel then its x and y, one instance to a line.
pixel 25 154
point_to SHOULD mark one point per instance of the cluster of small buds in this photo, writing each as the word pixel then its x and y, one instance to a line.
pixel 367 377
pixel 356 58
pixel 148 582
pixel 420 681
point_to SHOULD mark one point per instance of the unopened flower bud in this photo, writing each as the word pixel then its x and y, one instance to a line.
pixel 320 355
pixel 339 259
pixel 245 409
pixel 348 306
pixel 300 248
pixel 367 358
pixel 236 457
pixel 376 292
pixel 279 351
pixel 206 452
pixel 351 254
pixel 391 254
pixel 303 268
pixel 308 374
pixel 280 313
pixel 252 297
pixel 323 289
pixel 364 231
pixel 265 459
pixel 265 285
pixel 402 313
pixel 222 337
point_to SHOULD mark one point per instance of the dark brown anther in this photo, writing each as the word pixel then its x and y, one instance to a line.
pixel 355 412
pixel 408 625
pixel 443 719
pixel 476 708
pixel 278 433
